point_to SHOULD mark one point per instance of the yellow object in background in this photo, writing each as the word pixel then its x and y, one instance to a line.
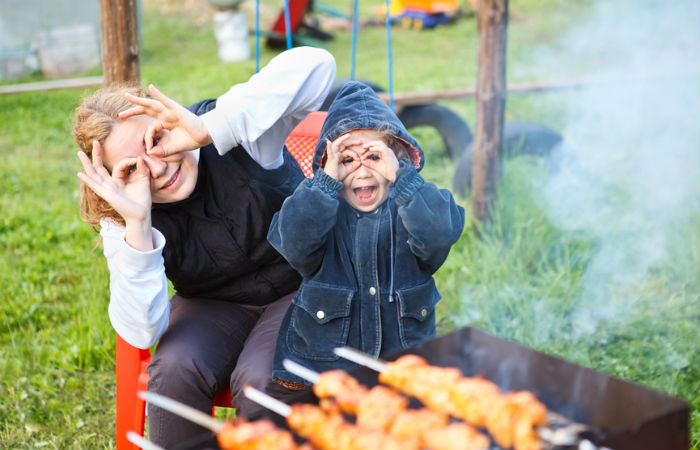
pixel 397 7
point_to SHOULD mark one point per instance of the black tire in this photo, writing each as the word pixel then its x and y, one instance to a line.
pixel 519 138
pixel 529 138
pixel 462 178
pixel 454 131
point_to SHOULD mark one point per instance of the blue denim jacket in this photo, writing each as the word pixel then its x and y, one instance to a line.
pixel 367 277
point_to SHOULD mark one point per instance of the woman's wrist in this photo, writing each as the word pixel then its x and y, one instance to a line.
pixel 139 234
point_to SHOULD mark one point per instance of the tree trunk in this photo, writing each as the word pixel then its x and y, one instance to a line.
pixel 492 19
pixel 120 41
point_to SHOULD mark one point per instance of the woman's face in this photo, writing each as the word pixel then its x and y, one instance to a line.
pixel 173 177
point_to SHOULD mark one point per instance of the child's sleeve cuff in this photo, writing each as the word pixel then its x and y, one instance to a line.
pixel 408 181
pixel 327 184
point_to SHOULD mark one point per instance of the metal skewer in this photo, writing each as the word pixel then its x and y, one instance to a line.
pixel 182 410
pixel 141 442
pixel 301 371
pixel 268 402
pixel 360 358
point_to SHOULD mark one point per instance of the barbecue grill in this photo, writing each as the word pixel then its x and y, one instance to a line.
pixel 616 413
pixel 587 409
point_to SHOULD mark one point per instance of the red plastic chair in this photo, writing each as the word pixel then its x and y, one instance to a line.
pixel 132 361
pixel 301 142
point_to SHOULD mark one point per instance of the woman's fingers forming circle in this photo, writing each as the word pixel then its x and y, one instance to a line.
pixel 124 168
pixel 92 184
pixel 97 161
pixel 164 99
pixel 96 154
pixel 88 168
pixel 146 103
pixel 153 130
pixel 133 111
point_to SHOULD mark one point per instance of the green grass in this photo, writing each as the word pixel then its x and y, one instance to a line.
pixel 525 275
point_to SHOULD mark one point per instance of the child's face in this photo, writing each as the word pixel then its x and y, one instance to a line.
pixel 365 188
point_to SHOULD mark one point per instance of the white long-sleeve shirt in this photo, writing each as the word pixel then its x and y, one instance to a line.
pixel 258 115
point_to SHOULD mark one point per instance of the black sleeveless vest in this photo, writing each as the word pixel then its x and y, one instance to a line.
pixel 216 239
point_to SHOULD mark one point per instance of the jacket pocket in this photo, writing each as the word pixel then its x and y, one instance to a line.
pixel 417 312
pixel 319 322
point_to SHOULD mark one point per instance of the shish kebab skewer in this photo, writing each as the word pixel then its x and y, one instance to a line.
pixel 231 435
pixel 141 442
pixel 385 409
pixel 329 430
pixel 182 410
pixel 513 419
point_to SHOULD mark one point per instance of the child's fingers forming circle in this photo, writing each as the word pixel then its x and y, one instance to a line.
pixel 347 144
pixel 380 158
pixel 376 146
pixel 343 142
pixel 349 162
pixel 350 157
pixel 330 166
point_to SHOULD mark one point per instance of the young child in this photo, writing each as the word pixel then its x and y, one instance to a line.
pixel 366 234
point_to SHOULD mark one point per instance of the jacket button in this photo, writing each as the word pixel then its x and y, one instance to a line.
pixel 423 312
pixel 372 291
pixel 320 314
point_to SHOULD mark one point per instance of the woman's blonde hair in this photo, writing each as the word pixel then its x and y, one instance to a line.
pixel 95 118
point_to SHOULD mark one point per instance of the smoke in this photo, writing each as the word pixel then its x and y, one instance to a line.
pixel 634 172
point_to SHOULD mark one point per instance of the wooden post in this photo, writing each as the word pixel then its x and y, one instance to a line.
pixel 120 41
pixel 492 19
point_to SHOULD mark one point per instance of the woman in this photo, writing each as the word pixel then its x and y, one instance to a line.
pixel 189 194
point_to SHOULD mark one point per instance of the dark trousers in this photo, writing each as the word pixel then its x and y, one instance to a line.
pixel 209 344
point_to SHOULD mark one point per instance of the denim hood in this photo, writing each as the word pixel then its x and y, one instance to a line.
pixel 356 107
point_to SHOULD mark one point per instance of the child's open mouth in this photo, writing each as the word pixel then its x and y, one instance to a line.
pixel 365 195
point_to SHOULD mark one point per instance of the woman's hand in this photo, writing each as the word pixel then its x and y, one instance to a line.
pixel 127 189
pixel 341 161
pixel 185 130
pixel 379 157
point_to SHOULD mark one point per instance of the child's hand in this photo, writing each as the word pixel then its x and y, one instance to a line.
pixel 176 129
pixel 379 157
pixel 341 161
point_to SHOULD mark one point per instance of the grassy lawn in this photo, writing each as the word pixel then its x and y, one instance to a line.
pixel 596 262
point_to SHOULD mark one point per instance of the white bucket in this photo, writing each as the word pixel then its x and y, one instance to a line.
pixel 231 32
